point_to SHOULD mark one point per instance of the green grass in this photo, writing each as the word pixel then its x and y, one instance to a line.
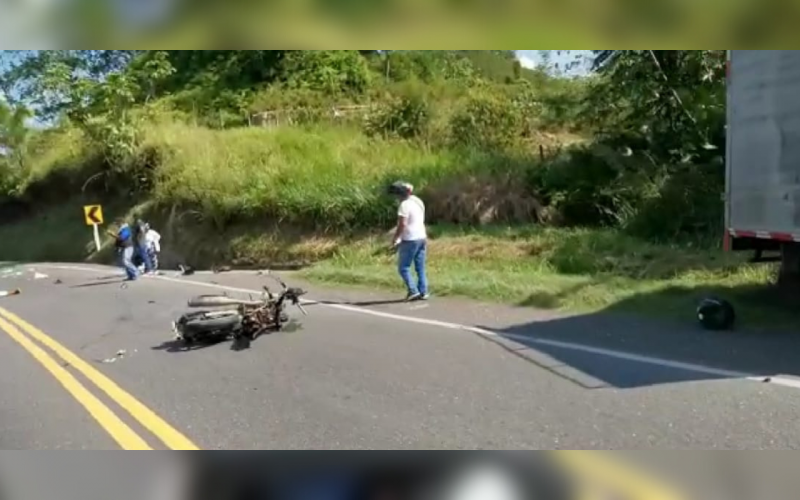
pixel 572 271
pixel 331 175
pixel 328 178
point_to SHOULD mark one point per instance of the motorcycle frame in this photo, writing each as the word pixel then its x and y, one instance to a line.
pixel 252 309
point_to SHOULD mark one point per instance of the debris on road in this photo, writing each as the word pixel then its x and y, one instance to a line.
pixel 39 276
pixel 58 282
pixel 10 272
pixel 186 270
pixel 221 269
pixel 120 355
pixel 9 293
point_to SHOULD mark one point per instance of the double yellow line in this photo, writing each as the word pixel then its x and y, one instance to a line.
pixel 600 476
pixel 126 437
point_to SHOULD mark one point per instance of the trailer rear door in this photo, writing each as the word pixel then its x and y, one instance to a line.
pixel 763 160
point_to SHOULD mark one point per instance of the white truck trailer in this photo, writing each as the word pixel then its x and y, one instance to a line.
pixel 762 198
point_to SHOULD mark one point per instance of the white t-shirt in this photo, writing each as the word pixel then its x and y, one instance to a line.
pixel 153 240
pixel 413 210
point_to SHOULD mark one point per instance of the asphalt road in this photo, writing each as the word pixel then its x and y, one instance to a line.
pixel 364 374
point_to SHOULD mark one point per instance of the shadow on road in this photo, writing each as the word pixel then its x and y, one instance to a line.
pixel 758 351
pixel 364 303
pixel 236 345
pixel 105 282
pixel 179 347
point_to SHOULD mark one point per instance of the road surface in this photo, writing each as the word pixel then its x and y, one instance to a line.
pixel 86 363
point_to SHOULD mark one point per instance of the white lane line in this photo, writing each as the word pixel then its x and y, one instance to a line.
pixel 525 340
pixel 790 382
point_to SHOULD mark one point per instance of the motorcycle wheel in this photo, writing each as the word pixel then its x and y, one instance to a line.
pixel 201 323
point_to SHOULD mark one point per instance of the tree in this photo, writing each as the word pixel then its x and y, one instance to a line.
pixel 602 58
pixel 14 133
pixel 674 99
pixel 41 78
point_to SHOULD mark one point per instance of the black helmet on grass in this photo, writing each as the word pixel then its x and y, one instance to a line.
pixel 716 314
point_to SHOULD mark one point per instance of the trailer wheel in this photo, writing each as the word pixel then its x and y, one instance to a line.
pixel 789 275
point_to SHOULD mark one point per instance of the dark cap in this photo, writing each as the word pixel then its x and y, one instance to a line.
pixel 401 188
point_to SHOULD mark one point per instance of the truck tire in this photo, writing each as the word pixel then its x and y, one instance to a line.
pixel 789 275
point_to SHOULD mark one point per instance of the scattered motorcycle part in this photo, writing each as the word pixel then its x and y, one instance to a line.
pixel 186 270
pixel 219 301
pixel 9 293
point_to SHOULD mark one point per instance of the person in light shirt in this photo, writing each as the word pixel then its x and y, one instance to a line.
pixel 151 246
pixel 411 240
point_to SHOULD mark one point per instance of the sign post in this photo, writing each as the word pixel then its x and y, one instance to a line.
pixel 94 217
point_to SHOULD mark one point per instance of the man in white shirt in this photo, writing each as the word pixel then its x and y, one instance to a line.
pixel 411 240
pixel 153 243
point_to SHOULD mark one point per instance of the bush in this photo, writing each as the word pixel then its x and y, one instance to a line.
pixel 279 98
pixel 598 186
pixel 688 203
pixel 487 121
pixel 328 71
pixel 10 179
pixel 594 186
pixel 407 117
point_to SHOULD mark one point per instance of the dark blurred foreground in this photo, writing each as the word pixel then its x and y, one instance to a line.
pixel 445 24
pixel 399 476
pixel 282 476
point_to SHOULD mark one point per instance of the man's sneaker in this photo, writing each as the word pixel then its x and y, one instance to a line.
pixel 413 297
pixel 425 296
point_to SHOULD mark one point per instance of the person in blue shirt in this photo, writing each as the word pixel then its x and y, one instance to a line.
pixel 126 248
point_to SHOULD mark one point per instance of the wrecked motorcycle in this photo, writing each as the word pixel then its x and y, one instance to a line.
pixel 226 317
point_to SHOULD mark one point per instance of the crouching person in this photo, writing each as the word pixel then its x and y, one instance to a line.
pixel 143 253
pixel 126 250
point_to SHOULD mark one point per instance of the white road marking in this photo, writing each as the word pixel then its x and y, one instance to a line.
pixel 791 382
pixel 525 340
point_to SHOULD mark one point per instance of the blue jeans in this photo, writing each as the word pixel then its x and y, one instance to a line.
pixel 126 261
pixel 144 254
pixel 414 253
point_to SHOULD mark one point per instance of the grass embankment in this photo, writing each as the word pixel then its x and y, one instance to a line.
pixel 572 271
pixel 567 270
pixel 246 197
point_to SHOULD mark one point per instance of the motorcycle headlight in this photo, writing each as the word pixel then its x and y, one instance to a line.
pixel 484 482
